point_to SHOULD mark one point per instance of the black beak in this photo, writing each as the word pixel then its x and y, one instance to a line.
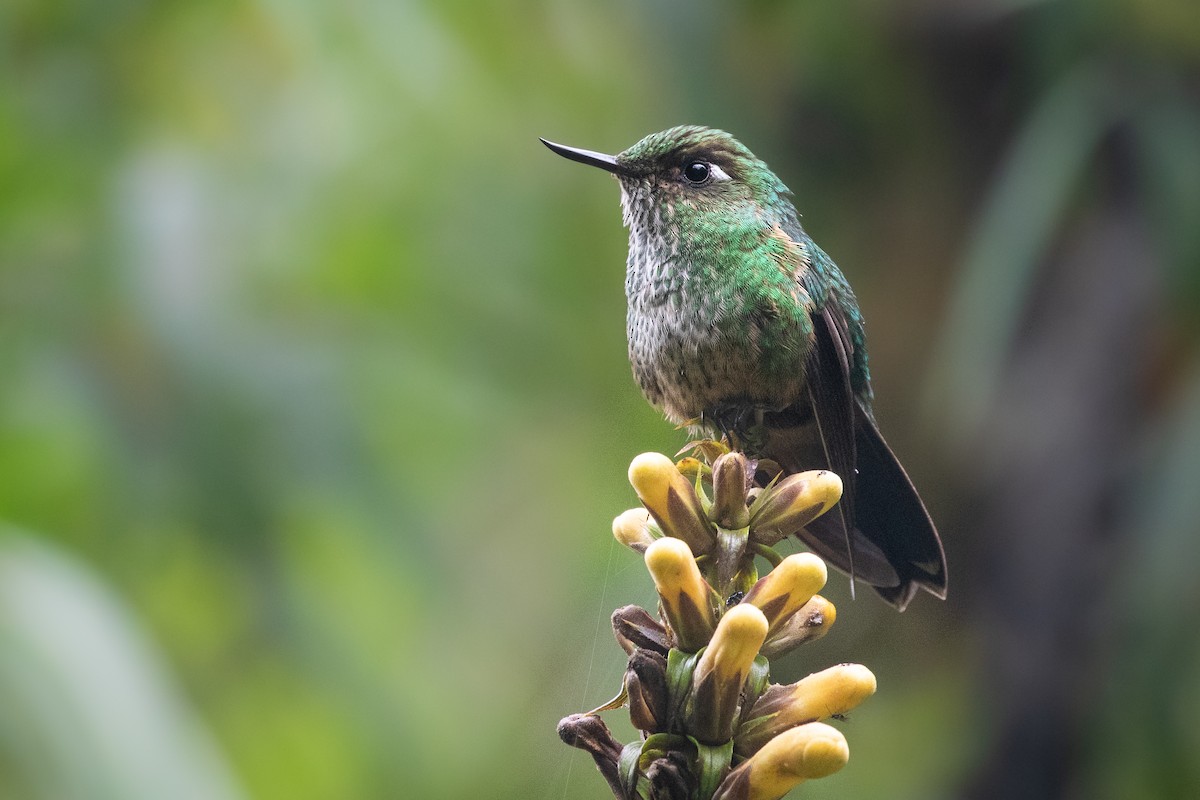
pixel 590 157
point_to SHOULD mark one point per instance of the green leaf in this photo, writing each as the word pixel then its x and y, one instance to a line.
pixel 680 667
pixel 712 765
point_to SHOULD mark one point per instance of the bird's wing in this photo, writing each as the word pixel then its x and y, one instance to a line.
pixel 880 532
pixel 827 374
pixel 883 534
pixel 890 514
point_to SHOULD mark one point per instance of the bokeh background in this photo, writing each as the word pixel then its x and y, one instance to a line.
pixel 314 407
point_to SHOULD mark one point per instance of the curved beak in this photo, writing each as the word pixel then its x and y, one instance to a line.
pixel 590 157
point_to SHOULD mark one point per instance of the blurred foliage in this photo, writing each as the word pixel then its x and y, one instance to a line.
pixel 314 358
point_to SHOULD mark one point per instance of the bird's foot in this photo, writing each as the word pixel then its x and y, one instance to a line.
pixel 740 425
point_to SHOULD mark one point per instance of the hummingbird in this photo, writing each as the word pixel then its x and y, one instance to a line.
pixel 740 325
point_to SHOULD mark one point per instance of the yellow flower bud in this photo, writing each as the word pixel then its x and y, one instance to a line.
pixel 792 503
pixel 821 695
pixel 809 751
pixel 721 673
pixel 686 598
pixel 672 501
pixel 632 529
pixel 786 589
pixel 808 624
pixel 729 492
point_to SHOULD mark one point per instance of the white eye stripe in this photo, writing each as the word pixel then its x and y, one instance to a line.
pixel 717 173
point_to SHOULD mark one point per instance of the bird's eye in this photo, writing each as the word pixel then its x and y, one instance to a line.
pixel 696 172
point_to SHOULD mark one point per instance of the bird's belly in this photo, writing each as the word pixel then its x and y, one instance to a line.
pixel 690 368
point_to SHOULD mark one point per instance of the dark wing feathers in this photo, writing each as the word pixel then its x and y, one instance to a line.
pixel 883 534
pixel 827 375
pixel 890 513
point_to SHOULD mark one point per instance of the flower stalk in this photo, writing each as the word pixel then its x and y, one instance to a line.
pixel 697 679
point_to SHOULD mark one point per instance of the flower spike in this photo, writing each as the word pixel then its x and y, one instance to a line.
pixel 697 679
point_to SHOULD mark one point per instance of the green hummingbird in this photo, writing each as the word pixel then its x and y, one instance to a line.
pixel 739 324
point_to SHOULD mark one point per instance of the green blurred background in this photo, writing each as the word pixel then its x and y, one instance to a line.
pixel 314 406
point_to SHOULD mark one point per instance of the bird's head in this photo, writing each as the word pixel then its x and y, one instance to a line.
pixel 690 168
